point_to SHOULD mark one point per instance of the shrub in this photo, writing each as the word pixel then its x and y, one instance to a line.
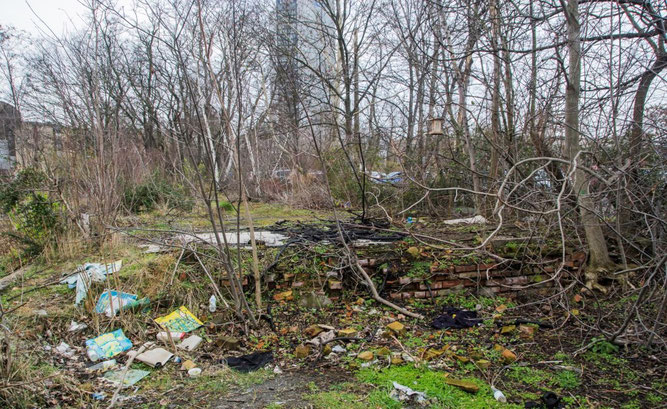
pixel 35 217
pixel 155 191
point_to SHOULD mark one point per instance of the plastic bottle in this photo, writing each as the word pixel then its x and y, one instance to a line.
pixel 92 354
pixel 165 335
pixel 103 365
pixel 500 397
pixel 211 303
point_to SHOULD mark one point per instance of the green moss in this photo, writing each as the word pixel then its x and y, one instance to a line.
pixel 432 383
pixel 568 380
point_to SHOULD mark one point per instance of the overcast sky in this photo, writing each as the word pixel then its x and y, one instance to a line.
pixel 58 14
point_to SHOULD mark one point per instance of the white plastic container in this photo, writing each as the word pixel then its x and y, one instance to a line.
pixel 194 372
pixel 92 355
pixel 498 395
pixel 212 303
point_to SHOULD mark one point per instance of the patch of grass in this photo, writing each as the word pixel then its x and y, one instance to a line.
pixel 432 383
pixel 529 376
pixel 568 380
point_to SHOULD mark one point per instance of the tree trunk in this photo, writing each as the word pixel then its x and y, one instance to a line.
pixel 597 246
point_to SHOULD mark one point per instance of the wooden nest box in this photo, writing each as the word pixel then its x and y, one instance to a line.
pixel 434 126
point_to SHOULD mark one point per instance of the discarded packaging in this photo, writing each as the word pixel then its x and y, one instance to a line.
pixel 76 326
pixel 187 365
pixel 103 365
pixel 107 345
pixel 338 349
pixel 194 372
pixel 166 335
pixel 88 273
pixel 99 395
pixel 181 320
pixel 403 393
pixel 211 303
pixel 118 301
pixel 155 358
pixel 65 350
pixel 131 377
pixel 191 343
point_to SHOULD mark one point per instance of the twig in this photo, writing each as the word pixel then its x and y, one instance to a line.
pixel 122 378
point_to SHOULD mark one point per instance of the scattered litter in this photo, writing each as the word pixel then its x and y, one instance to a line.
pixel 338 349
pixel 166 335
pixel 87 273
pixel 76 326
pixel 65 350
pixel 107 345
pixel 547 401
pixel 403 393
pixel 455 318
pixel 194 372
pixel 468 220
pixel 103 365
pixel 131 377
pixel 41 313
pixel 99 395
pixel 177 359
pixel 191 343
pixel 211 303
pixel 322 338
pixel 250 362
pixel 187 365
pixel 369 364
pixel 277 370
pixel 498 395
pixel 181 320
pixel 118 301
pixel 155 358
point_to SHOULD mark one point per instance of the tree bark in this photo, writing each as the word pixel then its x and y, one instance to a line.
pixel 597 246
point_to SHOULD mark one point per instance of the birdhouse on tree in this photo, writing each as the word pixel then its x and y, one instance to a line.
pixel 434 126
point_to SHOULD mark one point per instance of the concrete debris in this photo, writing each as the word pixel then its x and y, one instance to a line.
pixel 468 220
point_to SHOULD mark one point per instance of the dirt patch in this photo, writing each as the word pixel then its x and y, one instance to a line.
pixel 287 389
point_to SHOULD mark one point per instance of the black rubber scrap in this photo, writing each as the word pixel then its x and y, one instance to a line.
pixel 455 318
pixel 250 362
pixel 548 401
